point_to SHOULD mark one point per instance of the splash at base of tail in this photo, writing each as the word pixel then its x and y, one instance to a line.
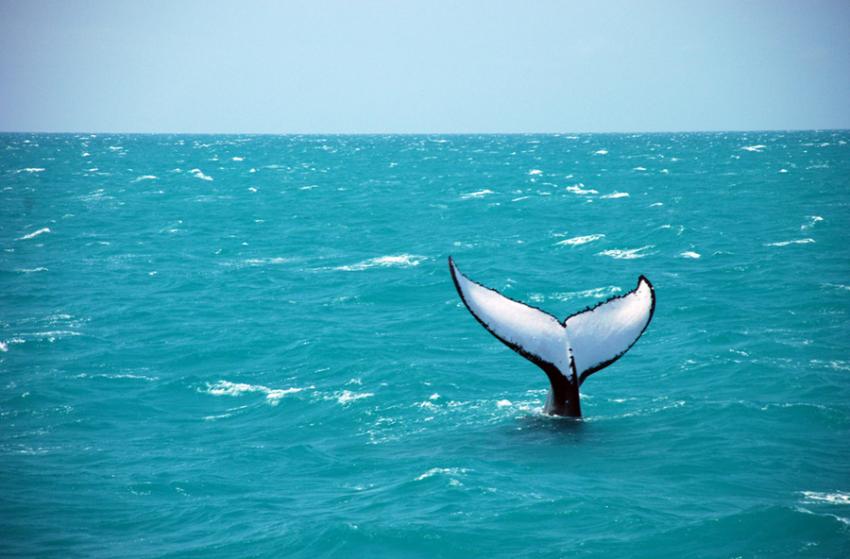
pixel 568 351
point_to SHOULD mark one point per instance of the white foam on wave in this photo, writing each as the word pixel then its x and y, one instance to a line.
pixel 237 158
pixel 31 170
pixel 577 189
pixel 837 498
pixel 34 234
pixel 812 220
pixel 265 261
pixel 31 270
pixel 582 240
pixel 639 169
pixel 758 148
pixel 3 347
pixel 397 261
pixel 146 178
pixel 601 152
pixel 690 254
pixel 478 194
pixel 535 172
pixel 805 241
pixel 442 471
pixel 519 198
pixel 273 395
pixel 656 205
pixel 347 396
pixel 625 254
pixel 615 195
pixel 198 174
pixel 595 293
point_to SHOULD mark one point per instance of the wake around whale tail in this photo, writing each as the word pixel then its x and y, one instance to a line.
pixel 568 351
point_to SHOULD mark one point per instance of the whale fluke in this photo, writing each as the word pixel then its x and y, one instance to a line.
pixel 568 351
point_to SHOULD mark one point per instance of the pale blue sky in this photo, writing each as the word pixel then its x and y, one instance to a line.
pixel 423 66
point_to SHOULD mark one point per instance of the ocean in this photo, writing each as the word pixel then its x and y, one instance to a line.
pixel 251 346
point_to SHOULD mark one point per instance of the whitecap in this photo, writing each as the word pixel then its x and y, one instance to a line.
pixel 273 395
pixel 477 194
pixel 145 178
pixel 237 158
pixel 3 347
pixel 601 152
pixel 595 293
pixel 34 234
pixel 252 189
pixel 347 396
pixel 690 254
pixel 519 199
pixel 783 171
pixel 577 189
pixel 614 195
pixel 504 403
pixel 535 172
pixel 656 205
pixel 397 261
pixel 837 498
pixel 309 187
pixel 756 148
pixel 582 240
pixel 442 471
pixel 793 242
pixel 639 169
pixel 625 254
pixel 812 220
pixel 265 261
pixel 198 174
pixel 32 170
pixel 31 270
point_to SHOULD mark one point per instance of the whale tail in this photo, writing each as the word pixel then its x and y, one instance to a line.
pixel 568 351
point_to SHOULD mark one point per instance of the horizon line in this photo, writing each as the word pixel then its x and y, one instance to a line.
pixel 561 133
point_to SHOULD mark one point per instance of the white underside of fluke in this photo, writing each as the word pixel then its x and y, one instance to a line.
pixel 595 337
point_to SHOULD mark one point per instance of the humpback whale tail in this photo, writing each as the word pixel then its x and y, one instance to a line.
pixel 568 351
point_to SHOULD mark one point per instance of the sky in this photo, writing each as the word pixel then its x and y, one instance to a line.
pixel 423 66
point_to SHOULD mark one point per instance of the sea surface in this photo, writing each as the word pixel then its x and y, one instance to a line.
pixel 250 346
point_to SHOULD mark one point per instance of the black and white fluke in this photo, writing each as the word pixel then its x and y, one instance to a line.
pixel 568 351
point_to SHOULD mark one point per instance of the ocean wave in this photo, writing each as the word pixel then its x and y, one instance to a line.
pixel 601 152
pixel 443 471
pixel 119 376
pixel 625 254
pixel 577 189
pixel 639 169
pixel 805 241
pixel 31 170
pixel 3 347
pixel 145 178
pixel 837 498
pixel 595 293
pixel 812 220
pixel 198 174
pixel 273 395
pixel 615 195
pixel 478 194
pixel 34 234
pixel 581 240
pixel 264 261
pixel 237 158
pixel 758 148
pixel 397 261
pixel 534 172
pixel 690 254
pixel 30 270
pixel 347 396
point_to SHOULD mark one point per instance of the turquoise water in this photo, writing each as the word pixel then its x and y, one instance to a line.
pixel 231 346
